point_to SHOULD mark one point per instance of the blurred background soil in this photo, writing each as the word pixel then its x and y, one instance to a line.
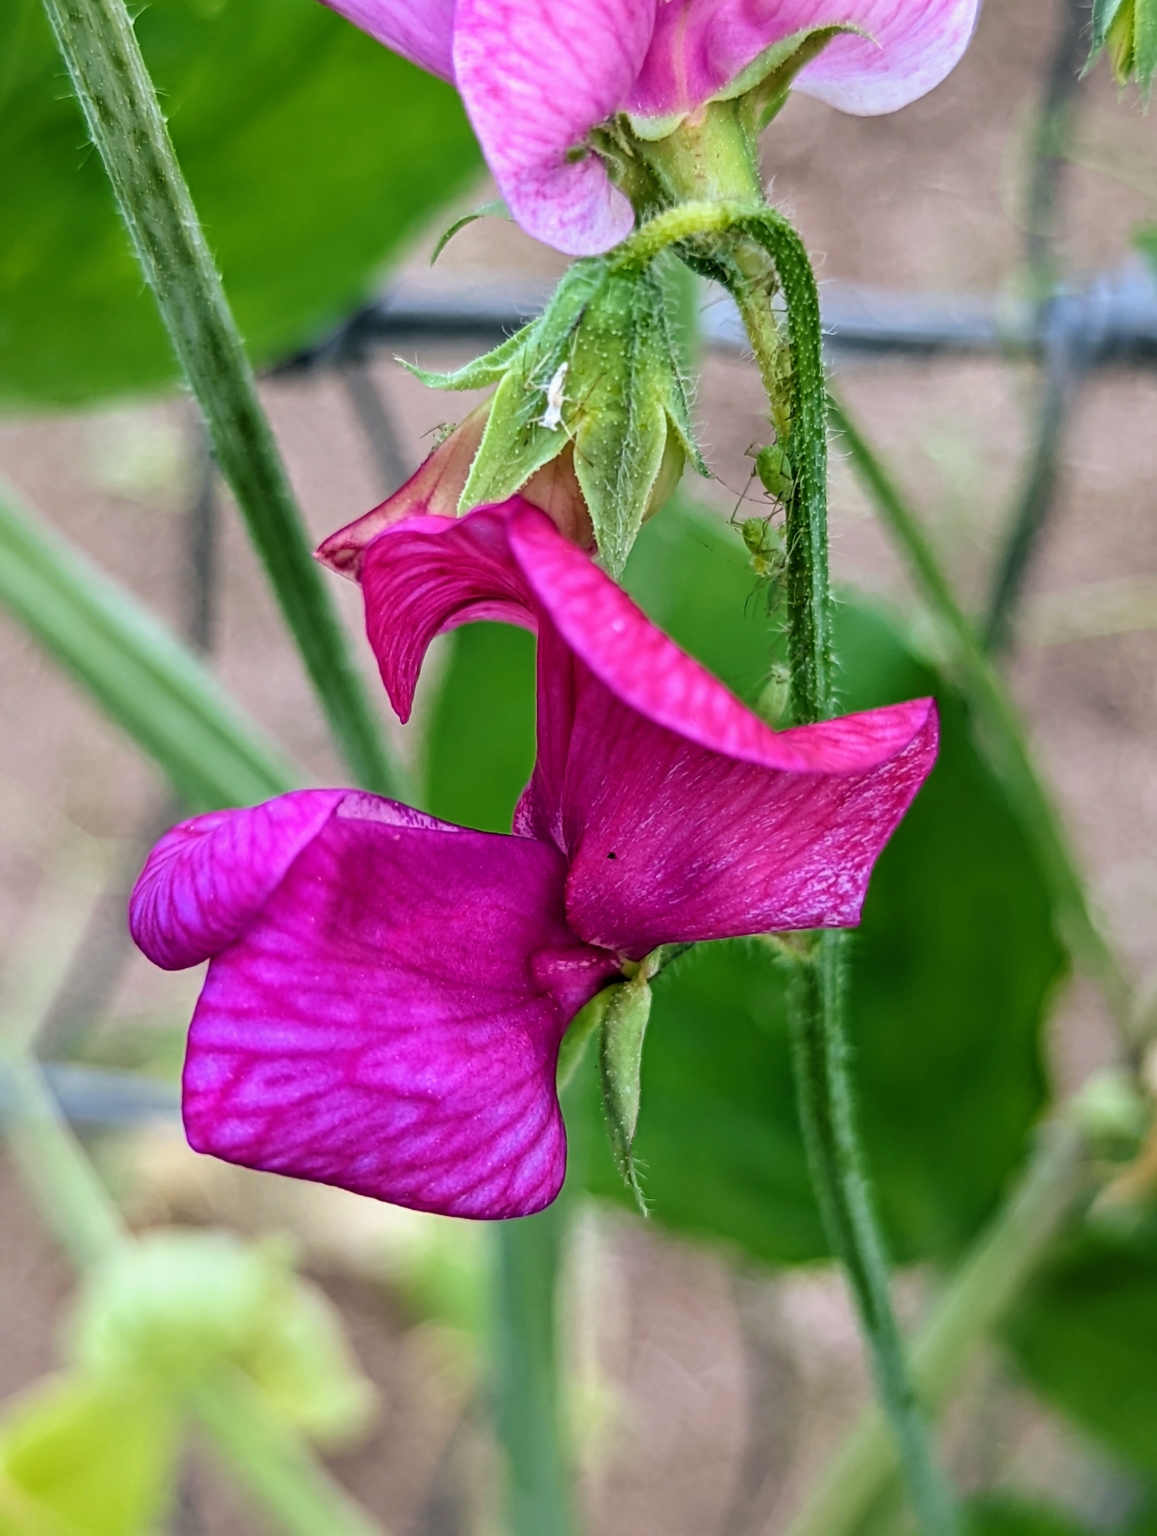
pixel 710 1394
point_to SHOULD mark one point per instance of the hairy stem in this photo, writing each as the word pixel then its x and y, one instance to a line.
pixel 823 1079
pixel 527 1407
pixel 823 1084
pixel 116 95
pixel 1001 730
pixel 991 1276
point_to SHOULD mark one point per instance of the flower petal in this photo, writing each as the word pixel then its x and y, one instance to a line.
pixel 670 841
pixel 915 46
pixel 648 672
pixel 390 1022
pixel 700 45
pixel 207 879
pixel 536 76
pixel 420 30
pixel 430 574
pixel 431 491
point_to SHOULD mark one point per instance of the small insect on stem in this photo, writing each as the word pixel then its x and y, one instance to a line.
pixel 764 544
pixel 551 418
pixel 775 471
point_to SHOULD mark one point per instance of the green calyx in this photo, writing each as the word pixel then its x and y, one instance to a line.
pixel 598 371
pixel 1127 30
pixel 713 151
pixel 624 1026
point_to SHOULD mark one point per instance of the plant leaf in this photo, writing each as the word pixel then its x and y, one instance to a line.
pixel 1086 1335
pixel 313 154
pixel 135 668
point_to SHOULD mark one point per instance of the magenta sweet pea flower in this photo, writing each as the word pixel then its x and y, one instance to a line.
pixel 538 75
pixel 386 993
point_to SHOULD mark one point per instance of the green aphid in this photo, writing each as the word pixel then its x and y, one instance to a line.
pixel 764 545
pixel 775 471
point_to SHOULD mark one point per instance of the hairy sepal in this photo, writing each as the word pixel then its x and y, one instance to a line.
pixel 598 369
pixel 520 435
pixel 624 1027
pixel 627 399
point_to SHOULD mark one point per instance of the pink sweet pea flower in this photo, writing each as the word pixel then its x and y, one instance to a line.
pixel 387 993
pixel 538 75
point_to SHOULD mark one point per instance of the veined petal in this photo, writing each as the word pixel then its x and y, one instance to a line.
pixel 420 30
pixel 648 672
pixel 536 77
pixel 699 46
pixel 390 1020
pixel 915 46
pixel 430 574
pixel 431 491
pixel 207 879
pixel 671 841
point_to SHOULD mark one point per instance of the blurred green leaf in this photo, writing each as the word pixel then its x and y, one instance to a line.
pixel 136 669
pixel 86 1458
pixel 951 970
pixel 1086 1336
pixel 170 1307
pixel 480 747
pixel 312 153
pixel 1011 1517
pixel 1145 239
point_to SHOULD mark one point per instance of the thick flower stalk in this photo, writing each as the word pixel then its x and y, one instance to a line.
pixel 537 76
pixel 387 993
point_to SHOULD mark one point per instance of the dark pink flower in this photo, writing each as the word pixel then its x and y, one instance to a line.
pixel 538 75
pixel 387 993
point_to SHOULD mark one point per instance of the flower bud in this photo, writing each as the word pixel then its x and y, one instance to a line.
pixel 590 419
pixel 1127 29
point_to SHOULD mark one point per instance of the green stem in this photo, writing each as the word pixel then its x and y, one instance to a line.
pixel 75 1204
pixel 823 1084
pixel 823 1081
pixel 808 590
pixel 99 47
pixel 527 1407
pixel 1001 730
pixel 272 1462
pixel 735 238
pixel 991 1276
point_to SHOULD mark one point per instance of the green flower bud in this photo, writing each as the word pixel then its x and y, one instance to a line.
pixel 1127 29
pixel 593 390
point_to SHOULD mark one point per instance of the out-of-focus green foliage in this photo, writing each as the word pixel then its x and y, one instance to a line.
pixel 1007 1517
pixel 82 1457
pixel 311 152
pixel 1145 239
pixel 480 746
pixel 170 1307
pixel 950 972
pixel 136 669
pixel 1086 1336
